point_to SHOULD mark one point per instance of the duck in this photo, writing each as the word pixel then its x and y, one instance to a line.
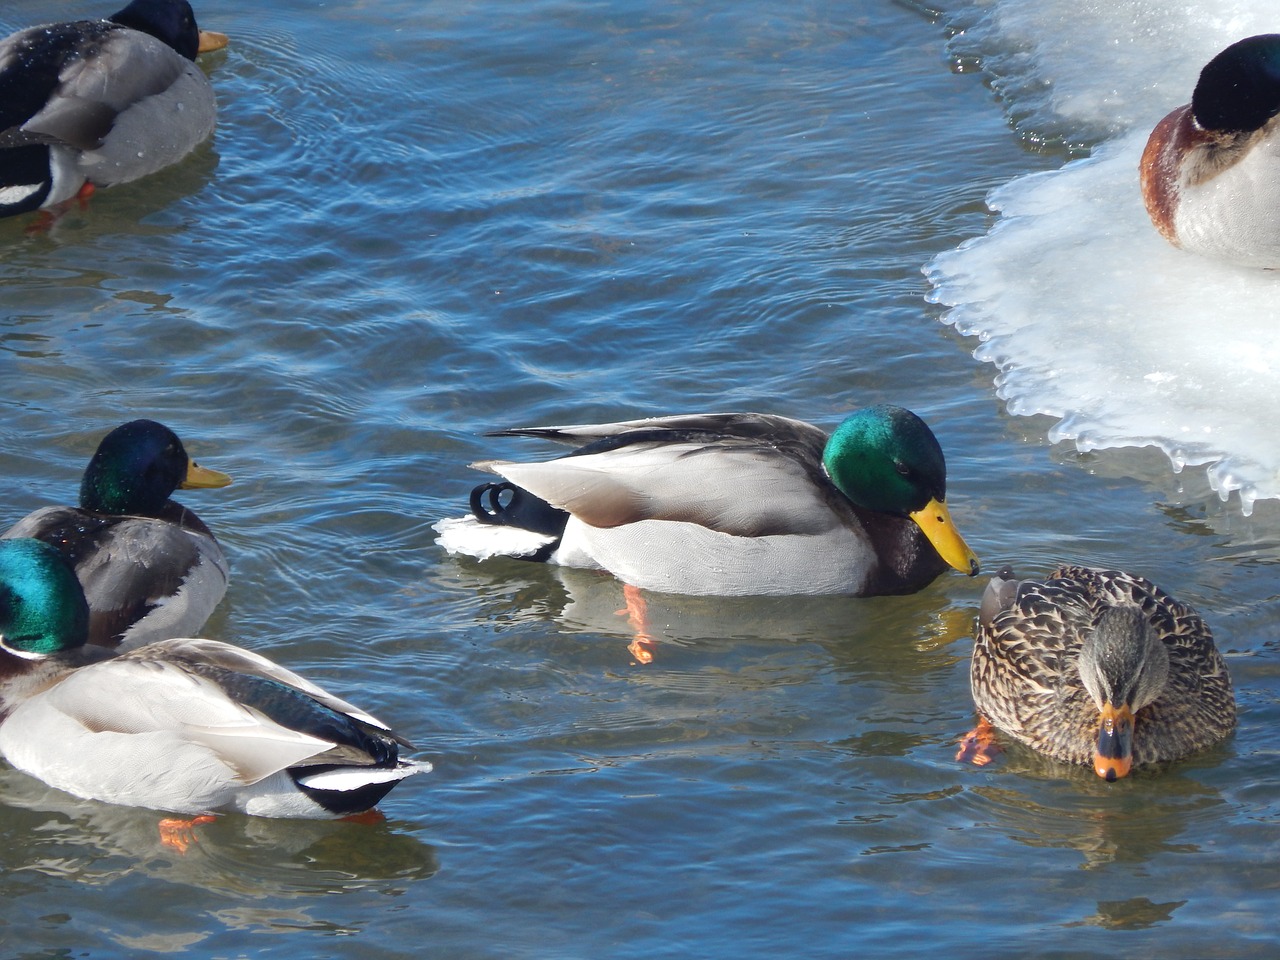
pixel 150 568
pixel 92 103
pixel 188 726
pixel 1210 172
pixel 1095 667
pixel 727 504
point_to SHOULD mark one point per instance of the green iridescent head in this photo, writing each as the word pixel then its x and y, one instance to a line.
pixel 885 458
pixel 136 468
pixel 42 607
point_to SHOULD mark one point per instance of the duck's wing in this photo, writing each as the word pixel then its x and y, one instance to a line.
pixel 179 727
pixel 743 474
pixel 1026 646
pixel 77 78
pixel 31 64
pixel 252 679
pixel 151 732
pixel 130 566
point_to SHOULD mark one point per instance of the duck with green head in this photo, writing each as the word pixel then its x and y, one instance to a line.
pixel 728 504
pixel 150 568
pixel 185 726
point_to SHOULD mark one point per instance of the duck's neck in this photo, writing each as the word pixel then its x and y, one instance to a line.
pixel 906 561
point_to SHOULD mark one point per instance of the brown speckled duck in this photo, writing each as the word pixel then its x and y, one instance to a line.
pixel 1096 667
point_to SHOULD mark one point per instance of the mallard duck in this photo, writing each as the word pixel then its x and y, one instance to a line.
pixel 1211 169
pixel 100 102
pixel 183 725
pixel 1097 667
pixel 150 568
pixel 728 504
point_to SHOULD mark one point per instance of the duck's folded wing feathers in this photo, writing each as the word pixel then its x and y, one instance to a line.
pixel 735 487
pixel 229 660
pixel 126 565
pixel 128 67
pixel 764 427
pixel 158 702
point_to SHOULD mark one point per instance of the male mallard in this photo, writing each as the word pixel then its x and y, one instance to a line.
pixel 188 726
pixel 1097 667
pixel 728 504
pixel 100 101
pixel 1211 169
pixel 149 567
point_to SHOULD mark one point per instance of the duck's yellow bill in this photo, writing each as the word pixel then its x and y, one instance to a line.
pixel 935 520
pixel 1113 756
pixel 211 40
pixel 199 477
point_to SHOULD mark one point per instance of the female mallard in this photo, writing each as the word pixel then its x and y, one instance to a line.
pixel 728 504
pixel 188 726
pixel 100 102
pixel 149 567
pixel 1097 667
pixel 1211 169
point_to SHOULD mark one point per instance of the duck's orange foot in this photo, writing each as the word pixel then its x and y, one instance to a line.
pixel 641 652
pixel 181 834
pixel 979 746
pixel 637 613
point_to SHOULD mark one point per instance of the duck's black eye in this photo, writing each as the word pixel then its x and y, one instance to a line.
pixel 904 470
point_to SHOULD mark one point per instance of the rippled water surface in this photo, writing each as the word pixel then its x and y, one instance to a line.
pixel 420 221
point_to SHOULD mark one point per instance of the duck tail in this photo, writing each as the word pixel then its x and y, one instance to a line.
pixel 344 789
pixel 506 521
pixel 522 509
pixel 25 178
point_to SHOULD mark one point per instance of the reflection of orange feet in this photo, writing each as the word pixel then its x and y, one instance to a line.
pixel 369 817
pixel 181 834
pixel 637 614
pixel 979 746
pixel 41 224
pixel 46 219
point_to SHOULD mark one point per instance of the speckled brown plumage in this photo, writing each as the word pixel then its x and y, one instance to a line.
pixel 1026 681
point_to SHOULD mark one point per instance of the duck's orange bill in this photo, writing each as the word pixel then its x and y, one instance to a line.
pixel 935 520
pixel 212 40
pixel 199 477
pixel 1113 756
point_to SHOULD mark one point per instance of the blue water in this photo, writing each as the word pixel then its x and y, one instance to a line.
pixel 420 221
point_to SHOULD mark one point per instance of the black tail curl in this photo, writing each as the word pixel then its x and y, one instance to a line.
pixel 490 504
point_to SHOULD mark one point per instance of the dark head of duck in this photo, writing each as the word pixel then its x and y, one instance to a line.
pixel 885 458
pixel 1239 89
pixel 170 21
pixel 137 467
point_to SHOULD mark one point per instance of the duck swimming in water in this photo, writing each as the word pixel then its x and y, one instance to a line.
pixel 149 566
pixel 728 504
pixel 1096 667
pixel 185 726
pixel 98 102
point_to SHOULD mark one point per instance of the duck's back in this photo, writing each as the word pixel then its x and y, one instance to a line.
pixel 94 100
pixel 145 579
